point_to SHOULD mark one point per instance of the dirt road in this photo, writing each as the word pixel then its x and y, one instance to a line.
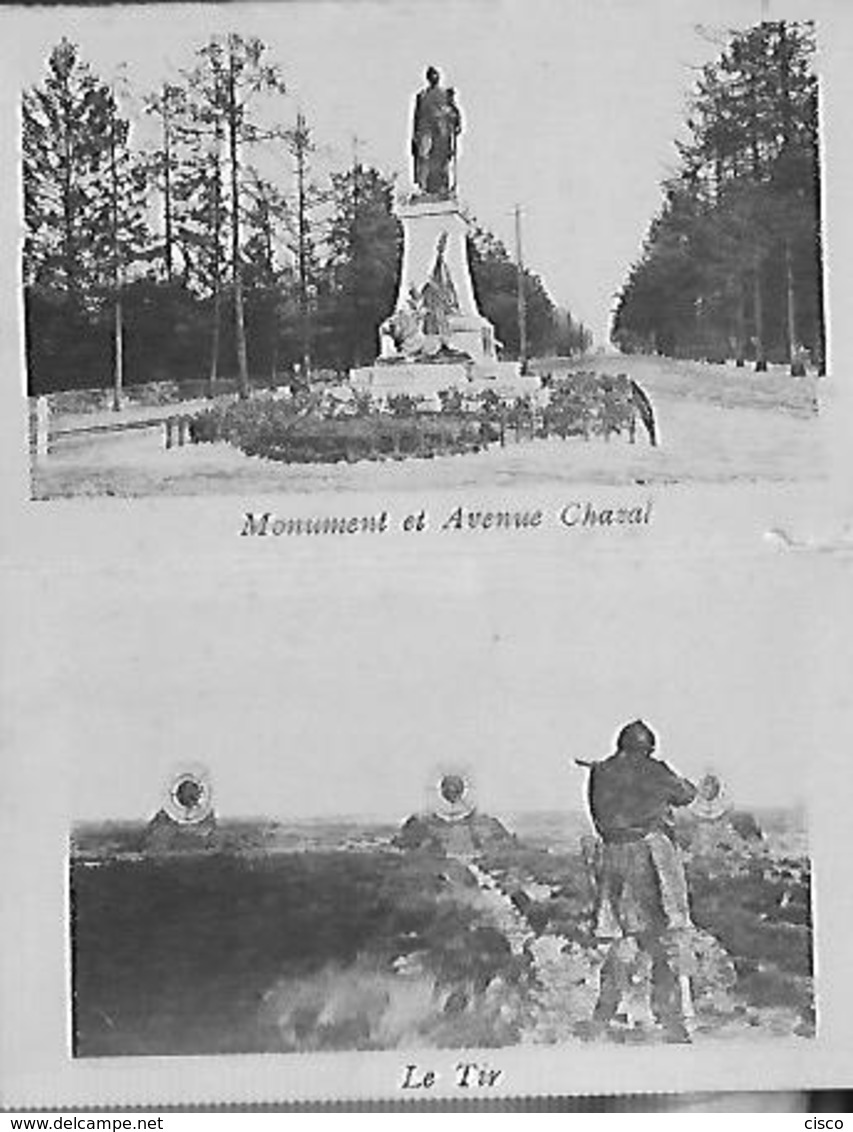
pixel 717 424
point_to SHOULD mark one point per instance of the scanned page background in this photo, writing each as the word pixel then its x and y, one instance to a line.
pixel 303 701
pixel 138 631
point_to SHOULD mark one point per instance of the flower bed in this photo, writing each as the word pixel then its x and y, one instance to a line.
pixel 329 426
pixel 296 433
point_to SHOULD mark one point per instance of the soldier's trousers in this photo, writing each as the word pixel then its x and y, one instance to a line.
pixel 618 969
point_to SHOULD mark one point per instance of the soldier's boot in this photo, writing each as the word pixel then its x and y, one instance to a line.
pixel 670 1001
pixel 614 982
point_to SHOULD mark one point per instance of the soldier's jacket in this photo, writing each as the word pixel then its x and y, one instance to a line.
pixel 631 794
pixel 641 885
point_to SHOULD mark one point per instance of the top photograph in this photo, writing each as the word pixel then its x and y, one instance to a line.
pixel 370 247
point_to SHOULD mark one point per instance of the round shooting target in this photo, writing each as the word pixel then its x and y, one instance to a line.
pixel 189 799
pixel 711 800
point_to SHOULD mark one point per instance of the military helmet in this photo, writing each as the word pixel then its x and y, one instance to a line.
pixel 636 736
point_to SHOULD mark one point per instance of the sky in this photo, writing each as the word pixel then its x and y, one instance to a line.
pixel 570 108
pixel 305 695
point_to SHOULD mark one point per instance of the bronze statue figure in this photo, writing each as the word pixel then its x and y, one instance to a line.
pixel 437 124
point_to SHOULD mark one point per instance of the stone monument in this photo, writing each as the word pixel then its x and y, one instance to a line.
pixel 436 338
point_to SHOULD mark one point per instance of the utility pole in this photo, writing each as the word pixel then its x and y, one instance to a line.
pixel 522 306
pixel 355 254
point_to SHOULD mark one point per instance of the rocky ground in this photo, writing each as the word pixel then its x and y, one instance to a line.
pixel 255 949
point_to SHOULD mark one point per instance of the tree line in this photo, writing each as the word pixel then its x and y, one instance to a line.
pixel 731 266
pixel 218 251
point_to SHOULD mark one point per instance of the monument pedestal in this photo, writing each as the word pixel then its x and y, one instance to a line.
pixel 435 234
pixel 427 379
pixel 417 379
pixel 437 338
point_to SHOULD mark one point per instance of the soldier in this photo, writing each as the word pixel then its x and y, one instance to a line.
pixel 642 904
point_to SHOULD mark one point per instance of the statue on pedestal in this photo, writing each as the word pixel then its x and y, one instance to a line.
pixel 437 124
pixel 436 338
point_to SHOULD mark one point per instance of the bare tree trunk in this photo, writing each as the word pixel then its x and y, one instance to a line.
pixel 214 346
pixel 68 264
pixel 268 252
pixel 118 385
pixel 118 357
pixel 760 360
pixel 790 307
pixel 355 260
pixel 239 319
pixel 274 354
pixel 741 324
pixel 217 262
pixel 167 186
pixel 67 227
pixel 302 246
pixel 819 249
pixel 522 306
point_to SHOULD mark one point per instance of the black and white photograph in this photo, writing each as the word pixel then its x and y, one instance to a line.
pixel 426 454
pixel 370 247
pixel 453 930
pixel 430 818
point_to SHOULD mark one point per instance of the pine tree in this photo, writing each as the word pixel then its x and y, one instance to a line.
pixel 366 245
pixel 121 236
pixel 229 73
pixel 84 201
pixel 66 147
pixel 201 218
pixel 748 256
pixel 266 228
pixel 308 198
pixel 169 105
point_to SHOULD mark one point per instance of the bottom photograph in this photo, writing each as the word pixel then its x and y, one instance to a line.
pixel 633 923
pixel 449 824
